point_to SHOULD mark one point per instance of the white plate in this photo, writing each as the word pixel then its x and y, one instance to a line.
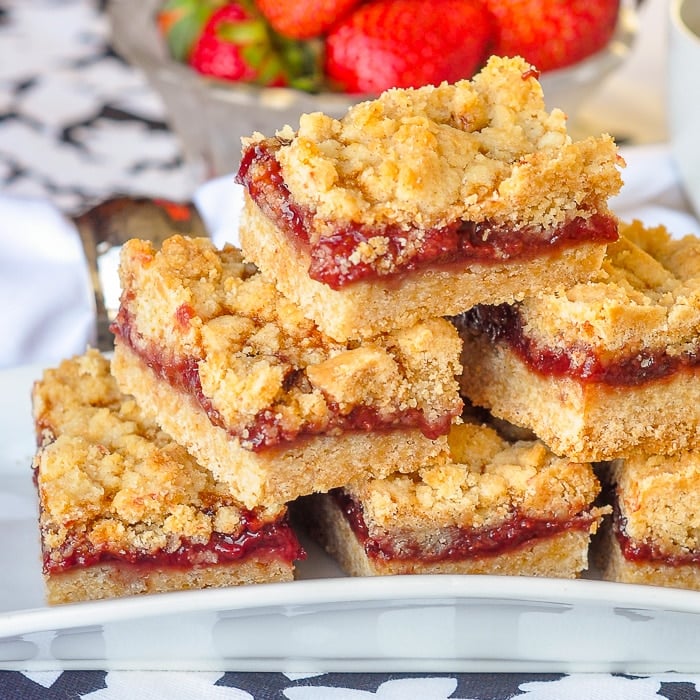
pixel 324 622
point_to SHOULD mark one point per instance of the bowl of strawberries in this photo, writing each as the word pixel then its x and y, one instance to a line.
pixel 228 68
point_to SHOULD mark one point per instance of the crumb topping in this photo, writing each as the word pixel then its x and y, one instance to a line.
pixel 647 297
pixel 486 481
pixel 107 475
pixel 255 351
pixel 659 500
pixel 477 150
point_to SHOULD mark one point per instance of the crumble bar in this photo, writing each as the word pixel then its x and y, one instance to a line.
pixel 124 510
pixel 654 535
pixel 235 373
pixel 494 507
pixel 425 202
pixel 605 366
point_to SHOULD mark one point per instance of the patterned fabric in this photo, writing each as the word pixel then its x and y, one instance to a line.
pixel 76 123
pixel 116 685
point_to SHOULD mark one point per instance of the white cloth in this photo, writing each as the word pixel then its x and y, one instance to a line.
pixel 219 203
pixel 47 304
pixel 652 193
pixel 47 307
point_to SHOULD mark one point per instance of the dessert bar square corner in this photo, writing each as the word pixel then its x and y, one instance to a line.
pixel 425 202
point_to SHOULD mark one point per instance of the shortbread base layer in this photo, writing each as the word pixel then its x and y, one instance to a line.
pixel 614 566
pixel 115 580
pixel 585 421
pixel 367 308
pixel 277 475
pixel 564 555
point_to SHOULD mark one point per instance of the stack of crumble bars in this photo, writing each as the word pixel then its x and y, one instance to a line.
pixel 607 371
pixel 384 256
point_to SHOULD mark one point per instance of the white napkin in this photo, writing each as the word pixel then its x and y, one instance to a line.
pixel 47 308
pixel 47 305
pixel 652 193
pixel 219 203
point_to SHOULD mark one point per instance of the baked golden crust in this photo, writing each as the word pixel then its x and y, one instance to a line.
pixel 112 484
pixel 477 150
pixel 115 580
pixel 484 483
pixel 416 523
pixel 562 555
pixel 367 308
pixel 277 474
pixel 657 519
pixel 620 352
pixel 647 297
pixel 257 357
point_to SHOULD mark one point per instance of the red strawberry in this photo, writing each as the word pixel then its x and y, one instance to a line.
pixel 236 43
pixel 553 33
pixel 304 20
pixel 408 43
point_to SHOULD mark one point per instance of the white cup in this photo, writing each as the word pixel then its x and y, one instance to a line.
pixel 684 94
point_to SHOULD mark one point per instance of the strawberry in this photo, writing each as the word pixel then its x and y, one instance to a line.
pixel 304 20
pixel 236 43
pixel 407 43
pixel 553 34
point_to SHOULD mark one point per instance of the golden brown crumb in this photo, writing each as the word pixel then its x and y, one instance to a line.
pixel 647 296
pixel 256 352
pixel 474 150
pixel 110 477
pixel 486 481
pixel 659 498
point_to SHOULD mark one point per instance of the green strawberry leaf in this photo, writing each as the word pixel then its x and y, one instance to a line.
pixel 181 38
pixel 254 54
pixel 303 62
pixel 183 21
pixel 274 58
pixel 270 70
pixel 250 31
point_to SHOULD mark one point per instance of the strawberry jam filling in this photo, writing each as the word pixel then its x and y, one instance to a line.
pixel 337 260
pixel 646 552
pixel 272 540
pixel 455 543
pixel 266 429
pixel 504 324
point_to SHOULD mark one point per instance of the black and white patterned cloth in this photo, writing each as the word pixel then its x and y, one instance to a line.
pixel 128 685
pixel 77 125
